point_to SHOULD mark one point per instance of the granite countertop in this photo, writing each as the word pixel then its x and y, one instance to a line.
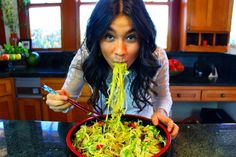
pixel 47 139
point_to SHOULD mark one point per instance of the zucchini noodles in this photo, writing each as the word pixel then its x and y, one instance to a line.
pixel 114 137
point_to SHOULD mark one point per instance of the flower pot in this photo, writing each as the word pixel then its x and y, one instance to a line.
pixel 13 39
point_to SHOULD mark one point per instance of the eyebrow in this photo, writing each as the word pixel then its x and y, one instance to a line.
pixel 130 31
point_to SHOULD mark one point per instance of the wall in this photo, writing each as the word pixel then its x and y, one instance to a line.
pixel 182 110
pixel 230 108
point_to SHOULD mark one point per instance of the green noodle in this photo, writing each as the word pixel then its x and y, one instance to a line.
pixel 113 137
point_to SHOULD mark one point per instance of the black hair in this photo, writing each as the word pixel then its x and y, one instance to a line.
pixel 95 67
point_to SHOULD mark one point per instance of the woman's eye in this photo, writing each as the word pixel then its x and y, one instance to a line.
pixel 109 37
pixel 131 38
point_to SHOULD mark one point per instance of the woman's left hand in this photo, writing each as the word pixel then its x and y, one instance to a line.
pixel 160 115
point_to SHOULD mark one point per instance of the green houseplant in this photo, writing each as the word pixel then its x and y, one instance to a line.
pixel 9 14
pixel 10 17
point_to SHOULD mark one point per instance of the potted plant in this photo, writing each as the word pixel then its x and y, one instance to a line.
pixel 10 18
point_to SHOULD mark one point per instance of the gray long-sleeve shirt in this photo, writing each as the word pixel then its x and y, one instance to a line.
pixel 75 81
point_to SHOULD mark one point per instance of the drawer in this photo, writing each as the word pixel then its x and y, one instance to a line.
pixel 185 95
pixel 219 95
pixel 5 87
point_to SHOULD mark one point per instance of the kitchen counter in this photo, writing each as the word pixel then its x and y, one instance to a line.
pixel 184 79
pixel 45 138
pixel 56 64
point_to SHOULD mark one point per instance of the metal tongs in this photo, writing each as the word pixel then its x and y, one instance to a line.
pixel 70 100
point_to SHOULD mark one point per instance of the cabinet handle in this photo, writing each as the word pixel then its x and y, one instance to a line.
pixel 188 28
pixel 178 95
pixel 222 95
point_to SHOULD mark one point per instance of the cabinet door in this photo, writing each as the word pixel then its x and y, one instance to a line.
pixel 185 95
pixel 72 116
pixel 5 87
pixel 77 114
pixel 219 95
pixel 209 15
pixel 29 109
pixel 48 114
pixel 7 108
pixel 85 94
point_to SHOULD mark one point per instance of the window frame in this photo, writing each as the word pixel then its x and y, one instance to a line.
pixel 70 17
pixel 41 6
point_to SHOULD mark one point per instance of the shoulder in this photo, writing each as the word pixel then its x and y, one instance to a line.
pixel 160 55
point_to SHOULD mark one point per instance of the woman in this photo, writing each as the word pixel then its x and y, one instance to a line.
pixel 121 31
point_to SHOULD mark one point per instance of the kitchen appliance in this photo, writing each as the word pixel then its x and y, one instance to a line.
pixel 28 87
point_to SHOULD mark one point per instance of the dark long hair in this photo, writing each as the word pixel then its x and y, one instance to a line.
pixel 96 68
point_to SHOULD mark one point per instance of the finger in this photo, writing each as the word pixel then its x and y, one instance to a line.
pixel 170 125
pixel 56 97
pixel 63 92
pixel 155 120
pixel 163 119
pixel 59 107
pixel 175 131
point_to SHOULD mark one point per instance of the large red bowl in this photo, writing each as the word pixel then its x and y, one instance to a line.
pixel 71 133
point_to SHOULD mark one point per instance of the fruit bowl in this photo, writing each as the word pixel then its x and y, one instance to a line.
pixel 164 151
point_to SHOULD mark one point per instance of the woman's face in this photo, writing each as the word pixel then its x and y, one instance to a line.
pixel 120 43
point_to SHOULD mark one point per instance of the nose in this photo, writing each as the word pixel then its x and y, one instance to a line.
pixel 120 49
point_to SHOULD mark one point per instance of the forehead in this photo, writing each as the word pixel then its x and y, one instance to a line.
pixel 121 23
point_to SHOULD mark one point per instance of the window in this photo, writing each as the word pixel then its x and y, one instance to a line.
pixel 158 10
pixel 54 24
pixel 45 24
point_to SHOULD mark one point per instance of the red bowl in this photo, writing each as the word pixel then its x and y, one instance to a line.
pixel 70 135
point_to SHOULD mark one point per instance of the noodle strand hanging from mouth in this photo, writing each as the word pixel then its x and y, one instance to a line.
pixel 116 90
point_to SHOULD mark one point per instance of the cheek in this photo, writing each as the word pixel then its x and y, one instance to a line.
pixel 106 51
pixel 133 54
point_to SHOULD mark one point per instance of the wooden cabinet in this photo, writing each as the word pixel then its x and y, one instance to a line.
pixel 7 99
pixel 29 109
pixel 205 25
pixel 209 15
pixel 219 95
pixel 185 94
pixel 72 116
pixel 48 114
pixel 203 93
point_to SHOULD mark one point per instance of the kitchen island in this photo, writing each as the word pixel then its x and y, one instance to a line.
pixel 47 139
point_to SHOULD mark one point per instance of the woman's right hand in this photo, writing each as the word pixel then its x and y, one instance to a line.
pixel 57 102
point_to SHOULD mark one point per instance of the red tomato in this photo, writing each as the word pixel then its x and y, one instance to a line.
pixel 5 57
pixel 132 125
pixel 175 65
pixel 99 146
pixel 101 123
